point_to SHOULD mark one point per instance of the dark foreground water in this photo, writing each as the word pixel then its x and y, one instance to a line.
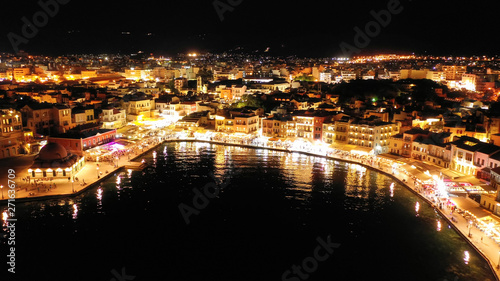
pixel 275 212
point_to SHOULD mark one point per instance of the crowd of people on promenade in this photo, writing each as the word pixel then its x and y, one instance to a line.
pixel 112 157
pixel 39 185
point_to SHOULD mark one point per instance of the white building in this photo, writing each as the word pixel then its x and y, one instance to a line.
pixel 113 118
pixel 348 75
pixel 325 77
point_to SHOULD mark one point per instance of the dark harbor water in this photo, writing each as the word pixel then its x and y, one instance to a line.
pixel 274 210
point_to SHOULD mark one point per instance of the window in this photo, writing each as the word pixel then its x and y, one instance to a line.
pixel 468 156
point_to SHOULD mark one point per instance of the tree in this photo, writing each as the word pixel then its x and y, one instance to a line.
pixel 304 77
pixel 422 89
pixel 171 86
pixel 206 75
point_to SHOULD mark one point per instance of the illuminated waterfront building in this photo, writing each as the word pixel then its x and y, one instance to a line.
pixel 462 153
pixel 244 121
pixel 83 137
pixel 278 125
pixel 329 132
pixel 54 161
pixel 370 133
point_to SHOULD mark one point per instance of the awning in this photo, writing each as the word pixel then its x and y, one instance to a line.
pixel 449 173
pixel 362 150
pixel 393 157
pixel 486 170
pixel 344 147
pixel 418 174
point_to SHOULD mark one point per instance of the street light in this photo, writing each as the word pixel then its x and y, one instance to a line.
pixel 498 265
pixel 72 186
pixel 1 187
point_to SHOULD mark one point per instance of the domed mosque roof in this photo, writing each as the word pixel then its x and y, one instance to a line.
pixel 52 151
pixel 54 155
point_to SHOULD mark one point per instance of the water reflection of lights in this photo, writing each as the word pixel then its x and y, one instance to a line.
pixel 438 225
pixel 391 188
pixel 154 154
pixel 5 216
pixel 201 145
pixel 417 207
pixel 99 194
pixel 75 211
pixel 359 168
pixel 466 257
pixel 129 173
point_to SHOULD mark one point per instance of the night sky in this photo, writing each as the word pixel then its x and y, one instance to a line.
pixel 304 28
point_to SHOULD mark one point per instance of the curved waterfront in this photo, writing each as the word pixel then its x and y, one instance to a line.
pixel 266 219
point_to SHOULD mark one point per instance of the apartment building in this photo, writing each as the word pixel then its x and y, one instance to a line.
pixel 309 123
pixel 278 125
pixel 138 108
pixel 62 118
pixel 431 148
pixel 454 72
pixel 244 121
pixel 329 132
pixel 463 151
pixel 113 118
pixel 402 144
pixel 11 133
pixel 38 117
pixel 372 133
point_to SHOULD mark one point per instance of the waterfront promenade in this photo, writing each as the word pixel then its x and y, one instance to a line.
pixel 91 174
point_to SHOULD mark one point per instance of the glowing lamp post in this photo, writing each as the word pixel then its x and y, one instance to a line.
pixel 498 265
pixel 1 187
